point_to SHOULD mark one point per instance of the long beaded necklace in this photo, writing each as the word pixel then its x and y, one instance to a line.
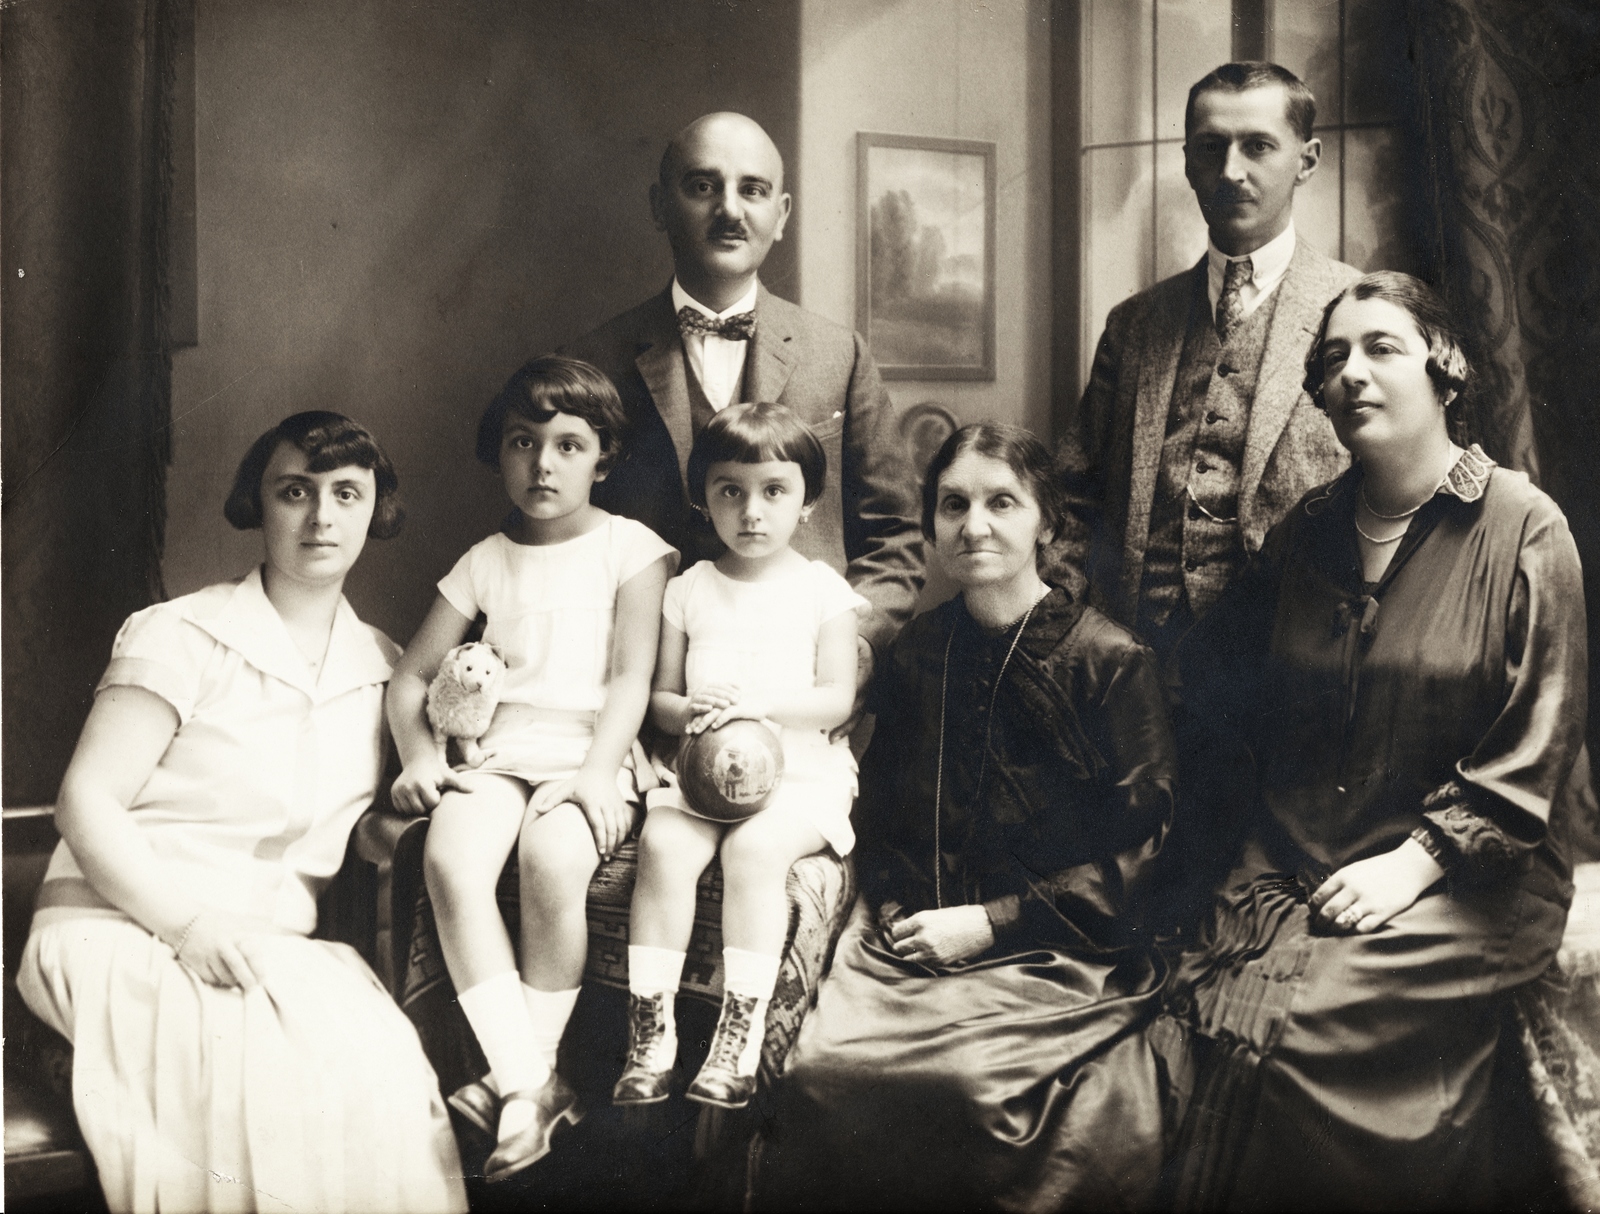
pixel 988 730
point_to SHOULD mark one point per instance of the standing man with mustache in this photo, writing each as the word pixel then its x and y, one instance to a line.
pixel 1195 435
pixel 716 337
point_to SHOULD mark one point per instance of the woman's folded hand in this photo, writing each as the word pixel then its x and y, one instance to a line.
pixel 217 946
pixel 1363 896
pixel 942 937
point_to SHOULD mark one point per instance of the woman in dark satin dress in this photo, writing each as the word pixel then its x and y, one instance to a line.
pixel 1406 665
pixel 978 1042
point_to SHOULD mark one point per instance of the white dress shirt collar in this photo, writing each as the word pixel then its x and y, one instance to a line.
pixel 682 299
pixel 1268 265
pixel 715 361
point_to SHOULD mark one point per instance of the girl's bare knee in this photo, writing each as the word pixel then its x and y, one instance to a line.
pixel 559 861
pixel 670 847
pixel 659 840
pixel 446 876
pixel 746 855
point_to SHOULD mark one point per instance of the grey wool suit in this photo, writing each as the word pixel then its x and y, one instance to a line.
pixel 1108 458
pixel 866 524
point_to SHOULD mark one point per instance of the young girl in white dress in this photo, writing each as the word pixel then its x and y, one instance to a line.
pixel 572 596
pixel 760 633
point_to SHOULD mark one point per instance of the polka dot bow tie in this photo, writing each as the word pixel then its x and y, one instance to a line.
pixel 741 326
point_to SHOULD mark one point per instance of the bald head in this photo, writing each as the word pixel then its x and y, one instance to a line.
pixel 720 201
pixel 724 128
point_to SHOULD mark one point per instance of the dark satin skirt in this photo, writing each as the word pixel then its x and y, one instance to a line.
pixel 1018 1082
pixel 1325 1071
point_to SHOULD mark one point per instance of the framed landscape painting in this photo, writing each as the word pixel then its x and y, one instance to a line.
pixel 925 255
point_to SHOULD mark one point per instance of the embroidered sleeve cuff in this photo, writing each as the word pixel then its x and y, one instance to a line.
pixel 1429 843
pixel 1455 831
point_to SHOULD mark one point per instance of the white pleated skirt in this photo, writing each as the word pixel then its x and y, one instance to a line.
pixel 309 1093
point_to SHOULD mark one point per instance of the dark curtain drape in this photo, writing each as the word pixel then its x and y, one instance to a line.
pixel 1508 131
pixel 1509 104
pixel 85 109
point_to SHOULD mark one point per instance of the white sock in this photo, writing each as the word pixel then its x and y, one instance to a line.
pixel 654 970
pixel 657 971
pixel 747 973
pixel 499 1018
pixel 549 1012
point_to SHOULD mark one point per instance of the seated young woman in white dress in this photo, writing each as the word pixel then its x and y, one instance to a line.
pixel 222 1059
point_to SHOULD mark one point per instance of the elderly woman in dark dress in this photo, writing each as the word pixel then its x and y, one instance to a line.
pixel 1406 664
pixel 978 1042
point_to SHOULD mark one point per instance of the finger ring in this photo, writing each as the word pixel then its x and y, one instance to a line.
pixel 1349 917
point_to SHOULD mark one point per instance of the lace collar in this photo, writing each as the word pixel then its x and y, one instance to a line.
pixel 1468 476
pixel 1467 480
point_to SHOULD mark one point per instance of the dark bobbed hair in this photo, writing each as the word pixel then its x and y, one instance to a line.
pixel 1300 107
pixel 551 384
pixel 754 434
pixel 1013 446
pixel 1447 364
pixel 328 441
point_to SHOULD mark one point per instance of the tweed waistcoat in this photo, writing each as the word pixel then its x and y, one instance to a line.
pixel 1195 543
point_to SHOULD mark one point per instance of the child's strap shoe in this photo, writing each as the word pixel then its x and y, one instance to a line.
pixel 477 1102
pixel 554 1103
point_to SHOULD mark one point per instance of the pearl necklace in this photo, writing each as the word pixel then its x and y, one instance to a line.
pixel 1362 502
pixel 1361 494
pixel 1372 539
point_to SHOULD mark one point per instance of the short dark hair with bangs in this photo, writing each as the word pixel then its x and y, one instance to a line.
pixel 1300 107
pixel 754 434
pixel 551 384
pixel 328 441
pixel 1017 448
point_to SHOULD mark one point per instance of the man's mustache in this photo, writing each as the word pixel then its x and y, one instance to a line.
pixel 729 231
pixel 1228 195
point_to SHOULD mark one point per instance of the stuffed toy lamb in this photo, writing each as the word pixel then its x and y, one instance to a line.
pixel 462 698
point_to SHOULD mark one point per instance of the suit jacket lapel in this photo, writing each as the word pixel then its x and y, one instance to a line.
pixel 1301 296
pixel 1162 343
pixel 769 359
pixel 665 372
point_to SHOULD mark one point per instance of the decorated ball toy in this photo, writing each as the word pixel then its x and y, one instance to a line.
pixel 729 773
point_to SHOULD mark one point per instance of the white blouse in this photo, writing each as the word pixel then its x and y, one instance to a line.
pixel 252 804
pixel 551 607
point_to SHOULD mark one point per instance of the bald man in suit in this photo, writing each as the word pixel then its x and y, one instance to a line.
pixel 714 337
